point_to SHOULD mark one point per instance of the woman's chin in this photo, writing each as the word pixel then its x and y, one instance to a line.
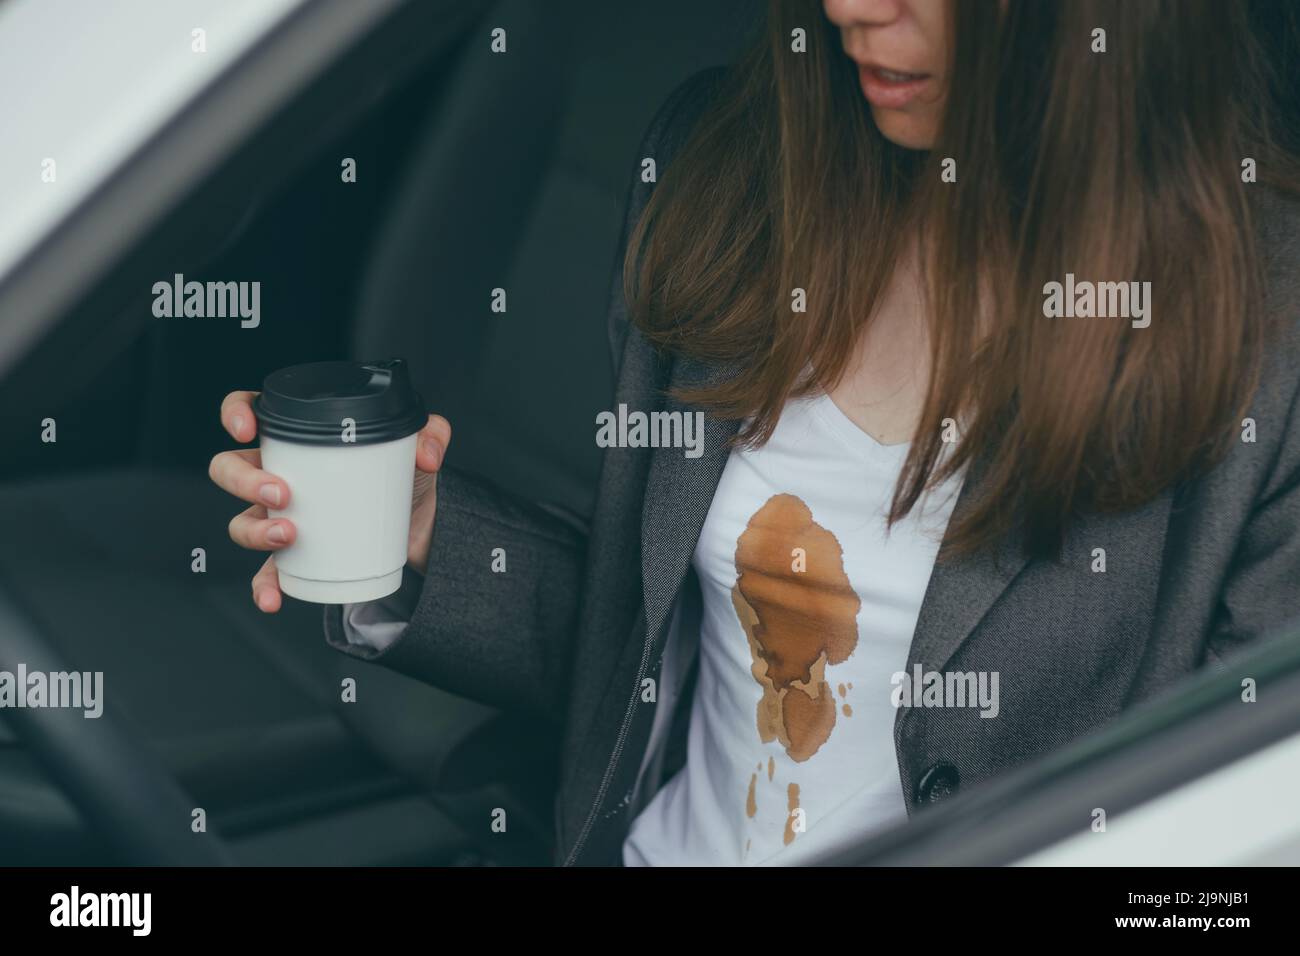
pixel 903 129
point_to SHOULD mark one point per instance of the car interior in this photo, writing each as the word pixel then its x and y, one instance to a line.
pixel 473 172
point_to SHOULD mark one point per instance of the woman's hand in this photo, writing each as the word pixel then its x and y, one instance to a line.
pixel 240 473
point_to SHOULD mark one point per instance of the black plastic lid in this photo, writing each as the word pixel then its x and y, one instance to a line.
pixel 307 403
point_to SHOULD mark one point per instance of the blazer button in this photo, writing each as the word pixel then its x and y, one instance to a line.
pixel 937 783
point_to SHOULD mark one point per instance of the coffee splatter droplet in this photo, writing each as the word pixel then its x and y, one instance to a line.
pixel 848 711
pixel 792 801
pixel 751 804
pixel 771 767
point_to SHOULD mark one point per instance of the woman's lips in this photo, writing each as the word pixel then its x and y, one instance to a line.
pixel 890 89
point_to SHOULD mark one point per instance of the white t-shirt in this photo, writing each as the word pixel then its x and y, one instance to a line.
pixel 790 749
pixel 808 613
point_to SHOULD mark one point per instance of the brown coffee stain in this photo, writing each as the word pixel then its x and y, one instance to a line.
pixel 771 767
pixel 792 804
pixel 751 803
pixel 842 691
pixel 848 711
pixel 796 622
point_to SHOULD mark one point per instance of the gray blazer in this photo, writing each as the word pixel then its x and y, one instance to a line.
pixel 569 634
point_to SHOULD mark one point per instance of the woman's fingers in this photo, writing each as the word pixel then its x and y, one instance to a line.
pixel 237 416
pixel 252 529
pixel 266 587
pixel 239 473
pixel 435 436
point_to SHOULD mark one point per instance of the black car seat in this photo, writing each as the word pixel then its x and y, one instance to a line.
pixel 477 212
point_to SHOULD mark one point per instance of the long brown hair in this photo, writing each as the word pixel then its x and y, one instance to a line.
pixel 1116 166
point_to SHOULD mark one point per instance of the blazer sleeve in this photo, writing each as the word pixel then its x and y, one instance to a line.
pixel 497 607
pixel 1261 594
pixel 505 636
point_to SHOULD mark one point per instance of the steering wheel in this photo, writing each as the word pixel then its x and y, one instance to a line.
pixel 121 790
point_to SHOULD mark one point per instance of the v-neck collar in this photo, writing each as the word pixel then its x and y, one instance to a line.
pixel 679 491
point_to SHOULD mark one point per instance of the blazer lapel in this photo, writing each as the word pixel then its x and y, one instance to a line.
pixel 679 491
pixel 960 592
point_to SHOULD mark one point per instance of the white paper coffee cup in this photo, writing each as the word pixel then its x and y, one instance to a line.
pixel 342 435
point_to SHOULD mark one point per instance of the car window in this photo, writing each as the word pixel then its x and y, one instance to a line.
pixel 105 76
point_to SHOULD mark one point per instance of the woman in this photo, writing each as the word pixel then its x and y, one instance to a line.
pixel 991 311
